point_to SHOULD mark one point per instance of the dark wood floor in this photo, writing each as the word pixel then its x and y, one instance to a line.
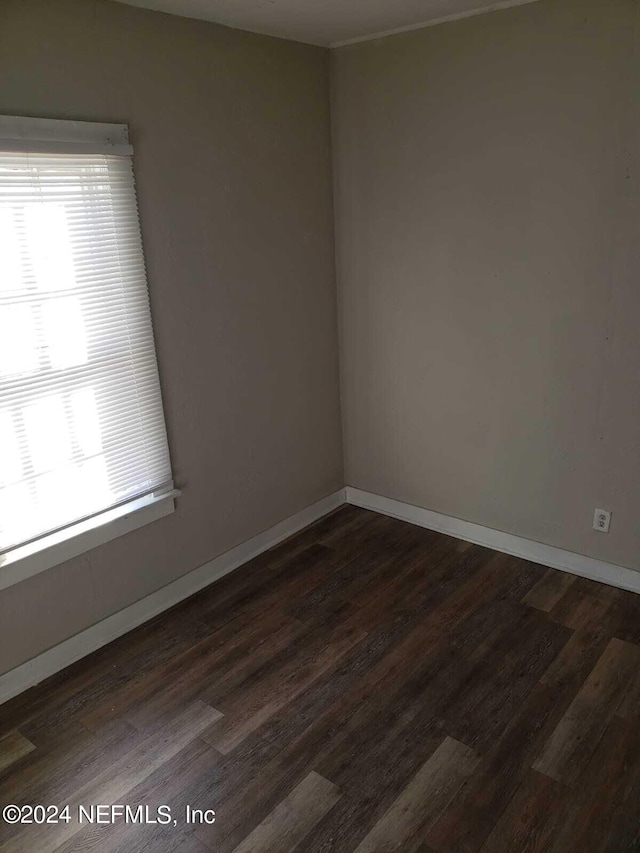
pixel 366 686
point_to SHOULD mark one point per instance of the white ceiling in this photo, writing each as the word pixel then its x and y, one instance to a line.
pixel 325 22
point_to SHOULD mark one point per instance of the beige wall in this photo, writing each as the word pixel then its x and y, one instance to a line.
pixel 231 133
pixel 488 237
pixel 487 216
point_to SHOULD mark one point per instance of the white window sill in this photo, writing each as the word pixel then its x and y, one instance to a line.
pixel 52 550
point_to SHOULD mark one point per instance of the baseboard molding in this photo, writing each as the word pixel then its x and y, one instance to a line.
pixel 536 552
pixel 34 671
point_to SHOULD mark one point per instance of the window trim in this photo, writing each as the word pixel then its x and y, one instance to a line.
pixel 61 136
pixel 51 550
pixel 58 136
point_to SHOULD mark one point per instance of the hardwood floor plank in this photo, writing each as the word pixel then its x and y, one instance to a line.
pixel 584 605
pixel 365 576
pixel 386 752
pixel 492 694
pixel 170 680
pixel 467 822
pixel 48 775
pixel 192 845
pixel 330 530
pixel 609 786
pixel 532 819
pixel 13 747
pixel 148 645
pixel 165 786
pixel 623 617
pixel 274 586
pixel 251 707
pixel 629 708
pixel 115 782
pixel 294 818
pixel 577 658
pixel 577 734
pixel 321 710
pixel 396 571
pixel 623 835
pixel 215 672
pixel 549 590
pixel 423 799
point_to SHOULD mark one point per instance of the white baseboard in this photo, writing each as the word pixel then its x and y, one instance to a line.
pixel 53 660
pixel 536 552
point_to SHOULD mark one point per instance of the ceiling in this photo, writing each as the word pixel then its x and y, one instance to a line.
pixel 326 22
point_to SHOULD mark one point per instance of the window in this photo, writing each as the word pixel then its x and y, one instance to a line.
pixel 82 429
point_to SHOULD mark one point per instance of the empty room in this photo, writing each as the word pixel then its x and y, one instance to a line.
pixel 319 426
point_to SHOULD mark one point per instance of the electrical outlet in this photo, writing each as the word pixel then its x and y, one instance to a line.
pixel 601 520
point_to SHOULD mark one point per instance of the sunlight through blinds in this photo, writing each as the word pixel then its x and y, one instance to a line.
pixel 81 421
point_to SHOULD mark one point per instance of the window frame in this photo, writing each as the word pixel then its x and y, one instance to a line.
pixel 57 136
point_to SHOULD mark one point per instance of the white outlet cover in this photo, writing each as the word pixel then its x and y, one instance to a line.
pixel 601 520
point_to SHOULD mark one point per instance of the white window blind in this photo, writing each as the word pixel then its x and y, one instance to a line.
pixel 81 421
